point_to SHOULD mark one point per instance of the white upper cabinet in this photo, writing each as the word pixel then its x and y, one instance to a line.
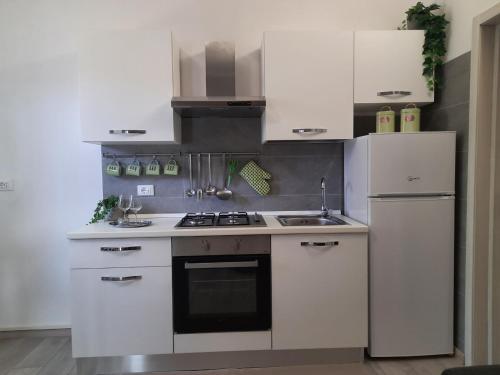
pixel 127 80
pixel 388 68
pixel 308 84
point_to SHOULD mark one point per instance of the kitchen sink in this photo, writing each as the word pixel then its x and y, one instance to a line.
pixel 309 220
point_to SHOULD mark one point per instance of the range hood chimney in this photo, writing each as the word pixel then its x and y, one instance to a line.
pixel 220 99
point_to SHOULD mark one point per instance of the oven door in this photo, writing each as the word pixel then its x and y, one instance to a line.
pixel 222 293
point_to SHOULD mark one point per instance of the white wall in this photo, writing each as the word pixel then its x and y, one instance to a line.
pixel 460 14
pixel 58 178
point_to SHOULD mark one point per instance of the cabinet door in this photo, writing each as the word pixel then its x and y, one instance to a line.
pixel 320 293
pixel 114 318
pixel 387 62
pixel 127 80
pixel 308 84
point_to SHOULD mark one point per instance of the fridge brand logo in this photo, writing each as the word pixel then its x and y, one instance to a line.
pixel 411 178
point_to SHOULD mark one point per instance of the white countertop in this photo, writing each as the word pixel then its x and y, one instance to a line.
pixel 164 226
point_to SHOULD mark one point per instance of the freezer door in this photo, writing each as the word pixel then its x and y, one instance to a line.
pixel 411 276
pixel 412 163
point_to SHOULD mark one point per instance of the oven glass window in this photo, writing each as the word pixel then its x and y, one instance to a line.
pixel 222 291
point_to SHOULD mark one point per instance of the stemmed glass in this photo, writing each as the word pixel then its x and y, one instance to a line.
pixel 135 206
pixel 124 203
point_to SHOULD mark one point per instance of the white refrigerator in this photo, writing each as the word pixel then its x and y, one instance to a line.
pixel 402 186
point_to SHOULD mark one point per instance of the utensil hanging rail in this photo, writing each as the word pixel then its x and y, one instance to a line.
pixel 109 155
pixel 223 153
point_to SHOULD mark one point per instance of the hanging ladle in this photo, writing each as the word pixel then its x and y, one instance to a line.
pixel 190 192
pixel 210 189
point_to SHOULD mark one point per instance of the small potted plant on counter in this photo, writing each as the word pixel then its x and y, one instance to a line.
pixel 106 210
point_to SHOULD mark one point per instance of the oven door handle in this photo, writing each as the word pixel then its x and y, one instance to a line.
pixel 208 265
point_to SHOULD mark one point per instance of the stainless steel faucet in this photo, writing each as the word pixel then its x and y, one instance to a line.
pixel 324 209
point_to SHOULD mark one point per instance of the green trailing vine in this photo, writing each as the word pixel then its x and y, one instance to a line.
pixel 103 208
pixel 434 49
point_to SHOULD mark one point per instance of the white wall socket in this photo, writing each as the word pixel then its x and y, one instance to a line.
pixel 146 190
pixel 6 185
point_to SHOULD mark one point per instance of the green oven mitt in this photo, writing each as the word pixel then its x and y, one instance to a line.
pixel 256 177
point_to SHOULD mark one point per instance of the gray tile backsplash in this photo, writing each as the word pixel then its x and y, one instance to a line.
pixel 451 112
pixel 296 170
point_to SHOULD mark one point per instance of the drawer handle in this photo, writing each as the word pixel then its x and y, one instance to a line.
pixel 127 131
pixel 210 265
pixel 121 248
pixel 395 93
pixel 309 131
pixel 319 244
pixel 121 278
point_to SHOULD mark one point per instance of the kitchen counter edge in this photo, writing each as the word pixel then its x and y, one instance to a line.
pixel 165 227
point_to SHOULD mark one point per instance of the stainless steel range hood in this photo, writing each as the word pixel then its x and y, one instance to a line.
pixel 221 99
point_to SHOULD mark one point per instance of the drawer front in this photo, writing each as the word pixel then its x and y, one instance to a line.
pixel 121 311
pixel 222 342
pixel 127 252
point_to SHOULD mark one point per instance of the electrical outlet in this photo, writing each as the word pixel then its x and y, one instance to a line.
pixel 6 185
pixel 146 190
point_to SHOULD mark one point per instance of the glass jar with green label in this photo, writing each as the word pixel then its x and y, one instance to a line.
pixel 410 119
pixel 386 120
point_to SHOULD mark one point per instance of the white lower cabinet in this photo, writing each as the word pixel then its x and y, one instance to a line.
pixel 320 291
pixel 121 311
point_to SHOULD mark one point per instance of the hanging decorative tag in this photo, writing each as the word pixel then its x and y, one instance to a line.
pixel 171 168
pixel 153 168
pixel 114 168
pixel 134 169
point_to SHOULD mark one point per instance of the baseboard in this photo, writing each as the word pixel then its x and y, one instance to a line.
pixel 216 360
pixel 46 331
pixel 459 354
pixel 35 327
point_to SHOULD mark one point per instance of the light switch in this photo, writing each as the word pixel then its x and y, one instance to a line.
pixel 6 185
pixel 146 190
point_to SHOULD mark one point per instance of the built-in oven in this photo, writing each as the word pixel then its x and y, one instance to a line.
pixel 221 283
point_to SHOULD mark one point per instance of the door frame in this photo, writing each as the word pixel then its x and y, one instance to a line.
pixel 481 187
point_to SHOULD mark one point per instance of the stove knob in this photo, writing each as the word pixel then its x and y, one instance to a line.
pixel 205 244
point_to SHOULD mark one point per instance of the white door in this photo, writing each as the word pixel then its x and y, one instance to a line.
pixel 127 80
pixel 116 318
pixel 411 276
pixel 319 291
pixel 388 67
pixel 308 84
pixel 411 163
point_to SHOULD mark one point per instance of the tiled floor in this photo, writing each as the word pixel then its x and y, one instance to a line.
pixel 51 355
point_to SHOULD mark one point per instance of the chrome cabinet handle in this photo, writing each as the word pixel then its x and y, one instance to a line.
pixel 121 278
pixel 309 131
pixel 394 93
pixel 127 131
pixel 121 248
pixel 319 244
pixel 208 265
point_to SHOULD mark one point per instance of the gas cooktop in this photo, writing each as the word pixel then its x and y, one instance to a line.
pixel 223 219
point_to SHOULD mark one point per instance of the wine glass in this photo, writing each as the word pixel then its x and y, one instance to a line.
pixel 135 206
pixel 124 202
